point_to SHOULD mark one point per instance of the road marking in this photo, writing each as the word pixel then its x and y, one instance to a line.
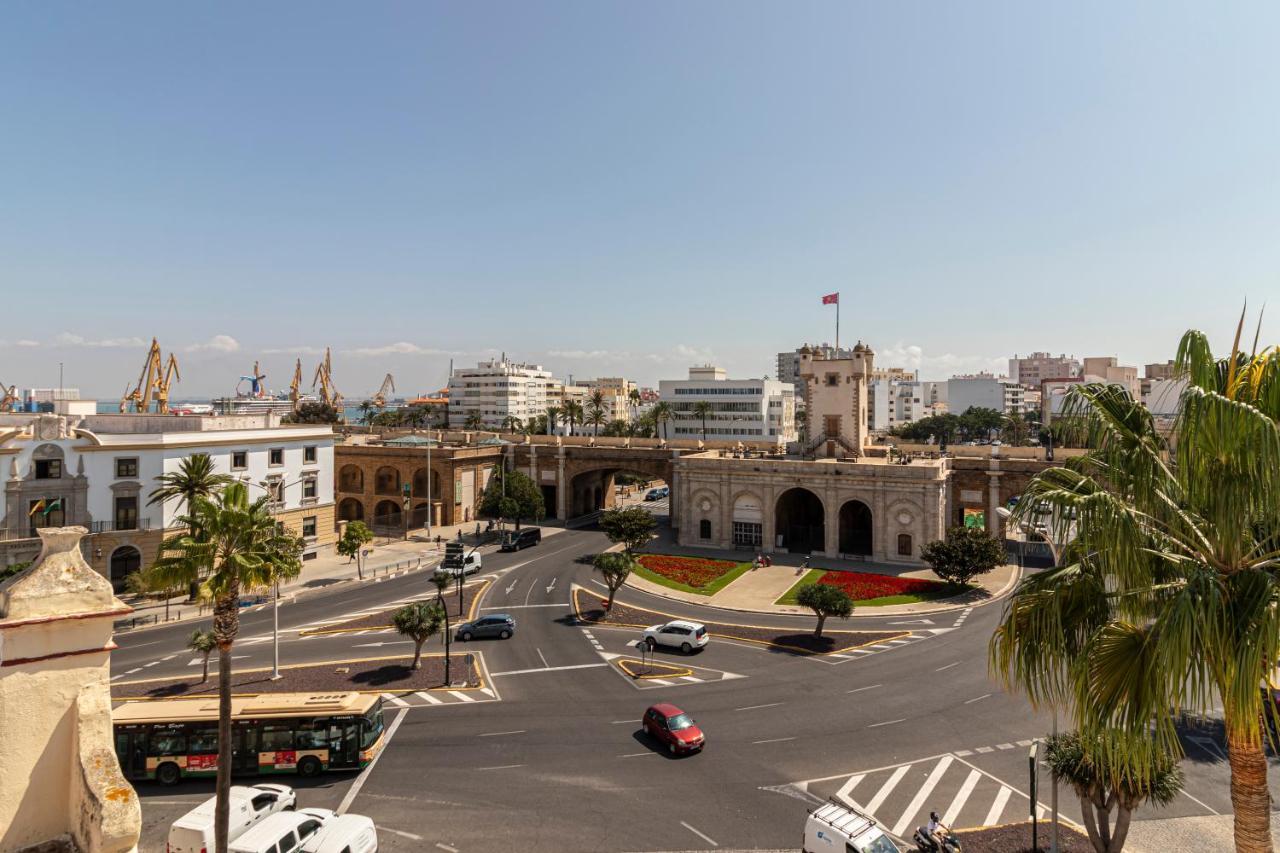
pixel 1023 743
pixel 693 679
pixel 997 807
pixel 1203 803
pixel 170 657
pixel 551 586
pixel 524 606
pixel 544 659
pixel 153 663
pixel 364 774
pixel 984 750
pixel 886 789
pixel 501 767
pixel 953 810
pixel 757 707
pixel 446 847
pixel 500 734
pixel 659 682
pixel 132 671
pixel 977 699
pixel 701 835
pixel 774 740
pixel 961 753
pixel 868 687
pixel 922 795
pixel 1004 746
pixel 886 723
pixel 486 691
pixel 636 754
pixel 847 788
pixel 530 593
pixel 948 666
pixel 459 695
pixel 395 700
pixel 408 835
pixel 422 694
pixel 547 669
pixel 514 584
pixel 623 722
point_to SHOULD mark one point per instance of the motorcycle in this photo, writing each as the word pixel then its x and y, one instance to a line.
pixel 925 844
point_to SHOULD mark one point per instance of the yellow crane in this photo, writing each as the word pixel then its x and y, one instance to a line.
pixel 10 399
pixel 324 378
pixel 388 387
pixel 295 387
pixel 171 373
pixel 153 382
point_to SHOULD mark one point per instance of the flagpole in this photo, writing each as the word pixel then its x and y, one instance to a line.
pixel 837 324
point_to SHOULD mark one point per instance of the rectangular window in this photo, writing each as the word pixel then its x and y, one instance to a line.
pixel 127 468
pixel 309 527
pixel 748 533
pixel 309 488
pixel 275 737
pixel 48 469
pixel 239 460
pixel 275 456
pixel 126 512
pixel 309 454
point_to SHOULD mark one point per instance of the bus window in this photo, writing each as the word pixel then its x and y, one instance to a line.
pixel 371 728
pixel 311 734
pixel 344 742
pixel 275 737
pixel 202 741
pixel 168 743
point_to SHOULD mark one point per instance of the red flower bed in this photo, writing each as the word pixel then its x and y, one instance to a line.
pixel 861 586
pixel 694 572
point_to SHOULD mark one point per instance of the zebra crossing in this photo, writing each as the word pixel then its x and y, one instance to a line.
pixel 431 698
pixel 900 796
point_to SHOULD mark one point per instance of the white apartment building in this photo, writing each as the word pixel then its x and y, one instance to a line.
pixel 741 409
pixel 496 390
pixel 617 396
pixel 98 471
pixel 985 391
pixel 893 402
pixel 1030 370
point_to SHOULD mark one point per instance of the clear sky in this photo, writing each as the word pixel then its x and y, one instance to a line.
pixel 626 188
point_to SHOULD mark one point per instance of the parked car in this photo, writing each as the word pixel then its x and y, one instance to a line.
pixel 282 833
pixel 471 564
pixel 657 494
pixel 498 625
pixel 832 828
pixel 678 634
pixel 348 833
pixel 250 805
pixel 669 725
pixel 525 537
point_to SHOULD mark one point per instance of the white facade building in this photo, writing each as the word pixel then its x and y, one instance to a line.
pixel 894 402
pixel 985 391
pixel 741 409
pixel 496 390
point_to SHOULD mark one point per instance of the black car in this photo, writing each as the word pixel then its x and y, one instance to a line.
pixel 498 625
pixel 514 540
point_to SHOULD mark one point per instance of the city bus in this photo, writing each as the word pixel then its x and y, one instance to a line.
pixel 304 733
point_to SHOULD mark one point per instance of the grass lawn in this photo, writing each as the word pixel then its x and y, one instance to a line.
pixel 812 576
pixel 710 588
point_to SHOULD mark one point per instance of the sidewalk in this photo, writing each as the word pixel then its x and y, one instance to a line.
pixel 390 558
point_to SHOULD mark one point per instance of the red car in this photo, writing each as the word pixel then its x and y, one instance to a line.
pixel 667 723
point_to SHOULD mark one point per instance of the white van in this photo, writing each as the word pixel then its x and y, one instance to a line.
pixel 250 804
pixel 282 833
pixel 832 828
pixel 348 833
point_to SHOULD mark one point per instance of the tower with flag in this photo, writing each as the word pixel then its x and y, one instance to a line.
pixel 834 299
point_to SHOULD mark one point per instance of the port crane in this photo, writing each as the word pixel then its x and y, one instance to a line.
pixel 388 387
pixel 295 387
pixel 153 383
pixel 171 373
pixel 324 378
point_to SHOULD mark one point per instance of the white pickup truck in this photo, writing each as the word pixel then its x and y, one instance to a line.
pixel 832 828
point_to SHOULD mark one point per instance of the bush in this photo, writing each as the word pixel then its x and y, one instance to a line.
pixel 966 553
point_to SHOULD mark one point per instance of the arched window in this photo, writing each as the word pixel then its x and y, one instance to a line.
pixel 125 560
pixel 387 481
pixel 704 528
pixel 904 544
pixel 350 479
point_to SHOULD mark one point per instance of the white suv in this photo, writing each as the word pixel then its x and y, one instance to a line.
pixel 679 634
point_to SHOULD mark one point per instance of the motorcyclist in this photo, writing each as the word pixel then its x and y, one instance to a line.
pixel 936 831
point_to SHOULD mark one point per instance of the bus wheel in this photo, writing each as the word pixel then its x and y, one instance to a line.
pixel 309 766
pixel 168 773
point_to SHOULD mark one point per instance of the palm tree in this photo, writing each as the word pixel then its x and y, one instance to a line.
pixel 633 397
pixel 662 415
pixel 230 544
pixel 553 418
pixel 571 414
pixel 702 409
pixel 366 412
pixel 194 479
pixel 595 410
pixel 512 424
pixel 419 621
pixel 203 644
pixel 1167 595
pixel 474 421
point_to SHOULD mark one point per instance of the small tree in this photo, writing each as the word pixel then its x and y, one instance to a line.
pixel 522 498
pixel 631 528
pixel 825 600
pixel 615 568
pixel 964 554
pixel 419 621
pixel 352 543
pixel 202 643
pixel 1107 788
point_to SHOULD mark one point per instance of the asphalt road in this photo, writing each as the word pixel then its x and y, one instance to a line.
pixel 555 761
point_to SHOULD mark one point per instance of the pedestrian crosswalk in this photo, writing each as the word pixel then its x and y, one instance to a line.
pixel 428 698
pixel 901 796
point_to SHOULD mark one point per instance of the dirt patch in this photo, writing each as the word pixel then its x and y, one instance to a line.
pixel 382 619
pixel 589 608
pixel 1016 838
pixel 384 675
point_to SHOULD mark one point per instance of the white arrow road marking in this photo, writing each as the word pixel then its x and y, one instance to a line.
pixel 913 622
pixel 552 586
pixel 514 584
pixel 380 643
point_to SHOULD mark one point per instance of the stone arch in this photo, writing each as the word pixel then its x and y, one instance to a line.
pixel 124 561
pixel 593 489
pixel 800 521
pixel 350 478
pixel 856 529
pixel 350 509
pixel 420 485
pixel 386 481
pixel 388 514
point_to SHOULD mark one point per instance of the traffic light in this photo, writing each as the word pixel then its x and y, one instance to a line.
pixel 454 553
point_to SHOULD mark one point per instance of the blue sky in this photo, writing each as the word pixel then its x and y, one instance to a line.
pixel 626 188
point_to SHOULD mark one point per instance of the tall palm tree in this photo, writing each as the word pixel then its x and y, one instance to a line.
pixel 662 415
pixel 595 410
pixel 1167 595
pixel 194 479
pixel 553 418
pixel 512 424
pixel 633 397
pixel 473 421
pixel 702 409
pixel 571 414
pixel 367 410
pixel 238 546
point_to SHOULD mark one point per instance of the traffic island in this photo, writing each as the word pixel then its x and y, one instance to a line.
pixel 590 609
pixel 362 675
pixel 382 619
pixel 1016 838
pixel 650 669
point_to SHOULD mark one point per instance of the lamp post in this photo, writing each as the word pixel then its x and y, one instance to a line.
pixel 275 597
